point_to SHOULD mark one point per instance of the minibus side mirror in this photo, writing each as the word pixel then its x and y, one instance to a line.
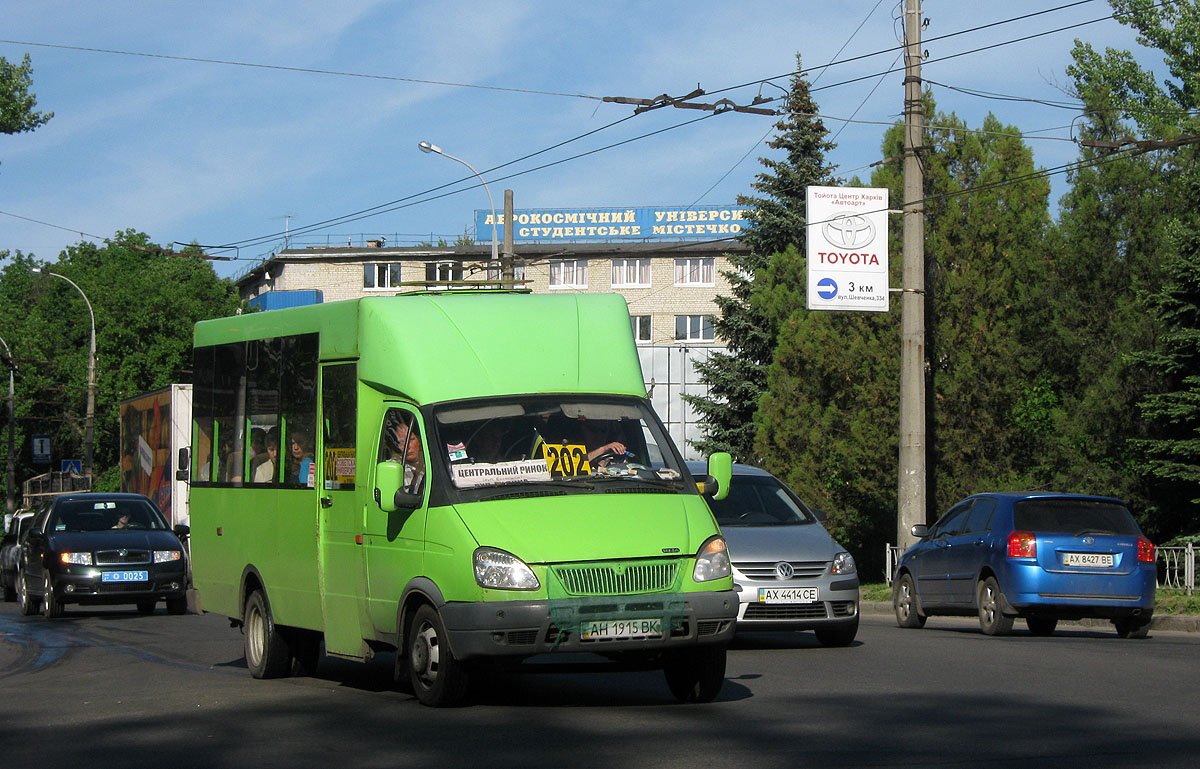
pixel 185 462
pixel 389 489
pixel 720 474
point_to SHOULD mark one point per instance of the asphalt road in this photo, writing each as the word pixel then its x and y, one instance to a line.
pixel 110 688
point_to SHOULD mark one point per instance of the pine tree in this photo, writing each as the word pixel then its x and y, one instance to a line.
pixel 736 379
pixel 1171 453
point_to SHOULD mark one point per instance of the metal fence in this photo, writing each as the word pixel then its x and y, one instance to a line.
pixel 1176 567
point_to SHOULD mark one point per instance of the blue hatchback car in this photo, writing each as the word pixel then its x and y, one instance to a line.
pixel 1039 556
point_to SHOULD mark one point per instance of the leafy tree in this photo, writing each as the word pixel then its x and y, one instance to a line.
pixel 737 379
pixel 17 113
pixel 1128 217
pixel 829 420
pixel 1171 455
pixel 145 300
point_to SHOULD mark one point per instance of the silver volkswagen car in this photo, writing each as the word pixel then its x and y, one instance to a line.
pixel 789 573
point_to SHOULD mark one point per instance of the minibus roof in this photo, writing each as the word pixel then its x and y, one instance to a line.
pixel 433 346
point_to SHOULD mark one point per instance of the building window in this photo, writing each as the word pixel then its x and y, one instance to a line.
pixel 694 328
pixel 631 273
pixel 438 272
pixel 695 272
pixel 495 273
pixel 568 273
pixel 641 328
pixel 382 275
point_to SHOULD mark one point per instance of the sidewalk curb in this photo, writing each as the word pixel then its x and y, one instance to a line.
pixel 1183 623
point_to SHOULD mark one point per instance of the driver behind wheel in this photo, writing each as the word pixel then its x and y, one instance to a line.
pixel 596 434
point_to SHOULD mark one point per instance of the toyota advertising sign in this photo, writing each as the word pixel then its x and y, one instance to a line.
pixel 847 249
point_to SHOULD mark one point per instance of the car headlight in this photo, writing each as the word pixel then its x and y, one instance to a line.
pixel 843 563
pixel 712 562
pixel 77 559
pixel 503 571
pixel 165 556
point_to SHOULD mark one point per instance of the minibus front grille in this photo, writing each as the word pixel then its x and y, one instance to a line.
pixel 618 578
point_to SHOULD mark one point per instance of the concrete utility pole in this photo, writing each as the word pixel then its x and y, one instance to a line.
pixel 10 505
pixel 911 490
pixel 506 256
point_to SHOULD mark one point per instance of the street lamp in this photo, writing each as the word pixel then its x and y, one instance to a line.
pixel 88 434
pixel 10 503
pixel 427 147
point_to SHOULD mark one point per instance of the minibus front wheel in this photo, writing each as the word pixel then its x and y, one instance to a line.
pixel 438 678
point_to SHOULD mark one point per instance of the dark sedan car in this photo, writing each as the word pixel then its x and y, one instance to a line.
pixel 1039 556
pixel 100 548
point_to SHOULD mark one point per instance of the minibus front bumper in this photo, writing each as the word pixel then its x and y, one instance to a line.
pixel 598 624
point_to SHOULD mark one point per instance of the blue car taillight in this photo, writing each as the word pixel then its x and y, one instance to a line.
pixel 1022 544
pixel 1145 550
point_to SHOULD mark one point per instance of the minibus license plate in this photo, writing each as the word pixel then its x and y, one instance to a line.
pixel 616 629
pixel 1093 560
pixel 789 594
pixel 124 576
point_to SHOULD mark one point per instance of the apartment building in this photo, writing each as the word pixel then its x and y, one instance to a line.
pixel 670 287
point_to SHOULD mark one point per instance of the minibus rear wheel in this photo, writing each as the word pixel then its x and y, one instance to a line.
pixel 267 653
pixel 438 679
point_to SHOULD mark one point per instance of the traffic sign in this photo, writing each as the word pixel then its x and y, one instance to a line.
pixel 41 449
pixel 847 248
pixel 72 466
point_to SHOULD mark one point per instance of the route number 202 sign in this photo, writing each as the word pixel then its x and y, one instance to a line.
pixel 847 249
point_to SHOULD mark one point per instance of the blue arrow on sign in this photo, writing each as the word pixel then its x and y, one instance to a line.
pixel 826 288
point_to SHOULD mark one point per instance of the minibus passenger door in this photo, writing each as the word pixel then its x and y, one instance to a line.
pixel 342 567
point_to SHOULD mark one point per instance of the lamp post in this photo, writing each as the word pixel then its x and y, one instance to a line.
pixel 427 147
pixel 88 434
pixel 10 504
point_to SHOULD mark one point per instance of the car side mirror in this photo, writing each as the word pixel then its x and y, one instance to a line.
pixel 920 530
pixel 185 463
pixel 182 530
pixel 389 489
pixel 720 475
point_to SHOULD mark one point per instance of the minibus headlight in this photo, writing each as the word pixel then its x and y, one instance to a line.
pixel 499 570
pixel 712 562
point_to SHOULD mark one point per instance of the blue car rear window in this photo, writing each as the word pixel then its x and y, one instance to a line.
pixel 1073 516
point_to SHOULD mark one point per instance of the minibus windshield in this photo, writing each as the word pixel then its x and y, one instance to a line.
pixel 562 440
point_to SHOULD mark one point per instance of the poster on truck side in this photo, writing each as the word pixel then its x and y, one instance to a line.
pixel 847 248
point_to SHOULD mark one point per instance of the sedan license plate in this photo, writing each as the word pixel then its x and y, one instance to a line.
pixel 125 576
pixel 618 629
pixel 789 595
pixel 1089 560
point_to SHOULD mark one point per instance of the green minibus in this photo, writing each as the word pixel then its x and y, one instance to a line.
pixel 465 477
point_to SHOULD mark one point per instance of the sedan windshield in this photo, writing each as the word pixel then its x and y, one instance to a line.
pixel 565 441
pixel 99 515
pixel 755 501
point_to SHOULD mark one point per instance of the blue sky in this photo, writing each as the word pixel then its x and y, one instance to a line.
pixel 190 150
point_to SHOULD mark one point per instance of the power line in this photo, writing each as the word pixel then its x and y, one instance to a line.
pixel 306 70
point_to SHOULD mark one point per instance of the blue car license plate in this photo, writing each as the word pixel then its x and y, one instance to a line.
pixel 125 576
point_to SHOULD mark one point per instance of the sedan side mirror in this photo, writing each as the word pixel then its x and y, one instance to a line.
pixel 920 530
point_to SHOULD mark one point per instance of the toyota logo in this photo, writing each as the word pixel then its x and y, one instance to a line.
pixel 1089 540
pixel 848 230
pixel 783 570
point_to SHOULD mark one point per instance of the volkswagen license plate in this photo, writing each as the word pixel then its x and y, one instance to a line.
pixel 619 629
pixel 1089 560
pixel 125 576
pixel 789 594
